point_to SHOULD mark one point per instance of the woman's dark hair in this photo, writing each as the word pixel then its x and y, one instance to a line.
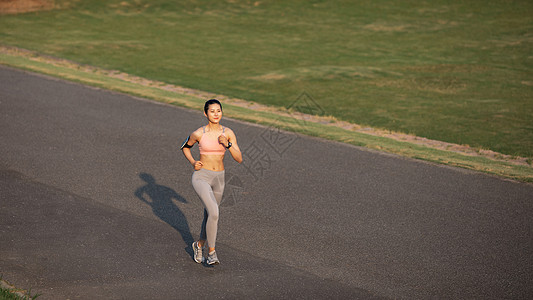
pixel 209 102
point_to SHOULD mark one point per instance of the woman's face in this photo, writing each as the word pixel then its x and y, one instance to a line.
pixel 214 113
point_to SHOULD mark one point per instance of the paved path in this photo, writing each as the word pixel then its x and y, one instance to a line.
pixel 96 203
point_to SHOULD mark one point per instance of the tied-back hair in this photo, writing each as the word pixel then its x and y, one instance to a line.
pixel 209 102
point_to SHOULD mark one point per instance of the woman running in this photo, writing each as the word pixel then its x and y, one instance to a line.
pixel 208 178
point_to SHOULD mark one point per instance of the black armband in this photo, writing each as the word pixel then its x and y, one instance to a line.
pixel 185 144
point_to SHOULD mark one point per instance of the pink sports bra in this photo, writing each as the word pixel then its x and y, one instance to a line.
pixel 209 146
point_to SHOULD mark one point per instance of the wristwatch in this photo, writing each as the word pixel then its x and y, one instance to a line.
pixel 229 145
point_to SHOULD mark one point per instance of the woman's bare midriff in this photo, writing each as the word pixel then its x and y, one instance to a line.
pixel 212 162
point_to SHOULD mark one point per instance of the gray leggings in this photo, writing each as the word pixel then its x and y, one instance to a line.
pixel 209 185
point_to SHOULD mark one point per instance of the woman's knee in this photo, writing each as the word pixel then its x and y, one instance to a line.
pixel 213 215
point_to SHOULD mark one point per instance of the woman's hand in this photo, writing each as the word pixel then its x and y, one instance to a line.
pixel 223 140
pixel 234 150
pixel 198 165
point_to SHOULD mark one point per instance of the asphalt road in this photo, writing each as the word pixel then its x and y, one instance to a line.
pixel 96 203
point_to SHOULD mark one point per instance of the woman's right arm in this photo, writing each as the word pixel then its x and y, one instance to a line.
pixel 193 138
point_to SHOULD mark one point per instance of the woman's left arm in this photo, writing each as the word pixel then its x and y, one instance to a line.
pixel 234 150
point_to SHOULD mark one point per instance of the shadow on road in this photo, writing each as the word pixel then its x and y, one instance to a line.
pixel 160 197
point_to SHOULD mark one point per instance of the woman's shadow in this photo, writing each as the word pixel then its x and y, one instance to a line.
pixel 160 197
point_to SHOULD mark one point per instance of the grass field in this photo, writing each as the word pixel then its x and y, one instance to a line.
pixel 9 292
pixel 455 71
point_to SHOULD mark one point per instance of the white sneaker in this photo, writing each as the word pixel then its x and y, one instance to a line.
pixel 198 255
pixel 212 259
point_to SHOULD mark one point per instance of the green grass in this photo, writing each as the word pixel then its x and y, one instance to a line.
pixel 451 72
pixel 8 292
pixel 455 71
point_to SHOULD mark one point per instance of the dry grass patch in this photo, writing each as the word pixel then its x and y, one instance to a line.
pixel 441 85
pixel 324 72
pixel 386 27
pixel 24 6
pixel 448 68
